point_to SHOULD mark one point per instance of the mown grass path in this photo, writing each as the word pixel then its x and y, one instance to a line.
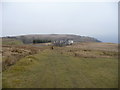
pixel 51 69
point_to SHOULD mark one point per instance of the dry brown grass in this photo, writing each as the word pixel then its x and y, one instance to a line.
pixel 12 53
pixel 96 46
pixel 91 50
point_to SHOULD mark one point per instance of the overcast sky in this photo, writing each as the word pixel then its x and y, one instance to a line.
pixel 94 19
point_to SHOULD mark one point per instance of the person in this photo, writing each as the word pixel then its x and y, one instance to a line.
pixel 52 47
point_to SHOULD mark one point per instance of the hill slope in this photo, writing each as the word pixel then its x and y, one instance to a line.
pixel 75 38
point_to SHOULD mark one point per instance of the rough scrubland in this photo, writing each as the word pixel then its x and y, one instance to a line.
pixel 81 65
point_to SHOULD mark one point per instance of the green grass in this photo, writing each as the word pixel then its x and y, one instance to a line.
pixel 51 69
pixel 11 42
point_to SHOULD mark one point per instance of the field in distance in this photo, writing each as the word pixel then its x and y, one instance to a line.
pixel 81 65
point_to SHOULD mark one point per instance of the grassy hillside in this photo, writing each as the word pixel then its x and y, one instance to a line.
pixel 94 66
pixel 52 37
pixel 8 41
pixel 13 53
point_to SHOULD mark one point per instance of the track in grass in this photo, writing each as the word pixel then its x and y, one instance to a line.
pixel 50 69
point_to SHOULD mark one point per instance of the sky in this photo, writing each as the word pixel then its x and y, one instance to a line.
pixel 94 19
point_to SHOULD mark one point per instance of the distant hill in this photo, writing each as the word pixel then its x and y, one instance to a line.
pixel 52 37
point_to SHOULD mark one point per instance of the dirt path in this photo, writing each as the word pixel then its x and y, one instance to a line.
pixel 50 69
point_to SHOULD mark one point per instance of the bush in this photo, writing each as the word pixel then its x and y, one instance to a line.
pixel 41 41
